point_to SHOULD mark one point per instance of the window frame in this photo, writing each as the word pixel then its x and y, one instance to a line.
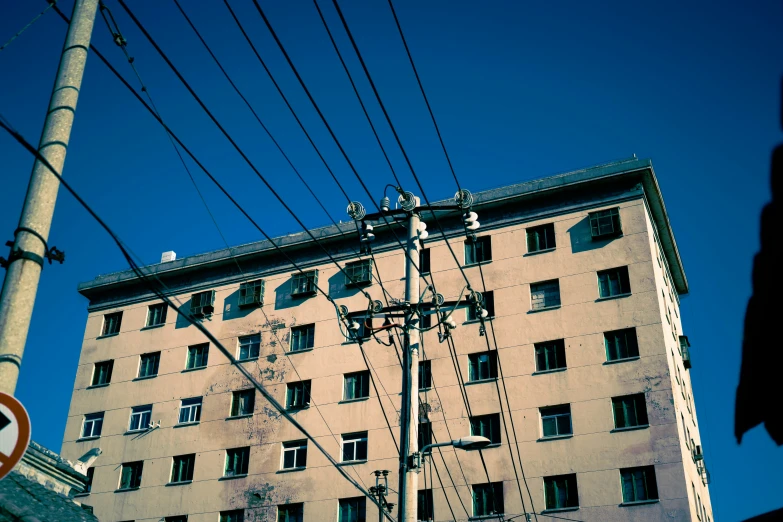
pixel 156 315
pixel 240 397
pixel 135 472
pixel 145 360
pixel 547 299
pixel 306 331
pixel 359 386
pixel 639 402
pixel 649 484
pixel 546 352
pixel 424 433
pixel 112 323
pixel 472 248
pixel 97 372
pixel 363 267
pixel 549 236
pixel 487 303
pixel 492 422
pixel 556 413
pixel 296 516
pixel 614 345
pixel 233 515
pixel 425 374
pixel 425 260
pixel 93 420
pixel 623 282
pixel 304 284
pixel 571 492
pixel 425 509
pixel 189 462
pixel 299 449
pixel 140 412
pixel 355 439
pixel 598 219
pixel 361 509
pixel 202 304
pixel 196 352
pixel 237 457
pixel 489 491
pixel 251 293
pixel 195 404
pixel 293 391
pixel 251 342
pixel 475 368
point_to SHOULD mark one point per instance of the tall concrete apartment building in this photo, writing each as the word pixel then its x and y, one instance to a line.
pixel 587 379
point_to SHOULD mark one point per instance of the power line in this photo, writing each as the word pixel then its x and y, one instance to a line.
pixel 160 294
pixel 29 24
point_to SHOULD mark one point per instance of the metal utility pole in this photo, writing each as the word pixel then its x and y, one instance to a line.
pixel 29 248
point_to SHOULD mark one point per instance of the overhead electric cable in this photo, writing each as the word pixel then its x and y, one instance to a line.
pixel 29 24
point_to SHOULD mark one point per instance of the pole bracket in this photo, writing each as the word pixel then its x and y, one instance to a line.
pixel 51 254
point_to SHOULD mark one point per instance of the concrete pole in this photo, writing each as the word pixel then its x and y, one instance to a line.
pixel 409 478
pixel 21 278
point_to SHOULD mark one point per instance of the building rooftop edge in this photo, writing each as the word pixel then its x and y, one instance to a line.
pixel 533 188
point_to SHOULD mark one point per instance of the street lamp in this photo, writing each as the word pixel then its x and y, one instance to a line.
pixel 472 442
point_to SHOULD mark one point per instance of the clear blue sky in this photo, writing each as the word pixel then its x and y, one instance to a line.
pixel 521 90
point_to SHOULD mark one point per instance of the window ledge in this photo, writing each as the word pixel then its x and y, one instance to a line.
pixel 182 483
pixel 555 437
pixel 82 494
pixel 631 428
pixel 291 470
pixel 294 409
pixel 134 432
pixel 481 381
pixel 243 416
pixel 153 326
pixel 360 399
pixel 604 237
pixel 615 361
pixel 544 309
pixel 186 424
pixel 85 439
pixel 554 370
pixel 94 386
pixel 542 251
pixel 186 370
pixel 300 351
pixel 640 502
pixel 123 490
pixel 145 377
pixel 610 297
pixel 482 263
pixel 561 510
pixel 232 477
pixel 476 321
pixel 249 359
pixel 104 337
pixel 352 462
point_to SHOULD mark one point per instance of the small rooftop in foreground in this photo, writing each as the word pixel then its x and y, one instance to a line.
pixel 631 168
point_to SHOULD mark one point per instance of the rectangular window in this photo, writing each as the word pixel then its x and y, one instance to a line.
pixel 630 411
pixel 198 355
pixel 190 410
pixel 425 434
pixel 556 420
pixel 237 460
pixel 550 355
pixel 541 238
pixel 621 344
pixel 130 476
pixel 93 425
pixel 101 374
pixel 352 509
pixel 304 284
pixel 235 515
pixel 425 375
pixel 298 395
pixel 487 303
pixel 243 402
pixel 425 511
pixel 251 293
pixel 639 484
pixel 178 518
pixel 140 418
pixel 478 251
pixel 482 366
pixel 486 426
pixel 290 513
pixel 294 455
pixel 560 492
pixel 112 323
pixel 424 261
pixel 488 499
pixel 355 446
pixel 613 282
pixel 90 477
pixel 156 314
pixel 425 321
pixel 202 304
pixel 302 337
pixel 357 386
pixel 249 347
pixel 605 223
pixel 545 294
pixel 358 273
pixel 182 468
pixel 148 364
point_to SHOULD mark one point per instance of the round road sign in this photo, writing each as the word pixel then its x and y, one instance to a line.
pixel 14 433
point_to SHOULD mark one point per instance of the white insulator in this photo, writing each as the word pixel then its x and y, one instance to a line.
pixel 422 226
pixel 484 314
pixel 354 326
pixel 424 234
pixel 470 216
pixel 368 237
pixel 385 204
pixel 473 226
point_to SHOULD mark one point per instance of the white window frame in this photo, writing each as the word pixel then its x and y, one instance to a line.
pixel 97 419
pixel 354 438
pixel 251 342
pixel 140 411
pixel 191 408
pixel 293 447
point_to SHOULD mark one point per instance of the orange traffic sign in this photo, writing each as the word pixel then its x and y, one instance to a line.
pixel 14 433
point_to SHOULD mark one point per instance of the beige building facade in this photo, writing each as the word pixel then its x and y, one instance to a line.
pixel 587 377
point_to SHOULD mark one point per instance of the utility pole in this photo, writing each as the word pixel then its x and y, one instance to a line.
pixel 23 269
pixel 413 309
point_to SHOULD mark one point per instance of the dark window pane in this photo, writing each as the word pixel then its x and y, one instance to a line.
pixel 541 238
pixel 560 492
pixel 425 375
pixel 621 344
pixel 424 261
